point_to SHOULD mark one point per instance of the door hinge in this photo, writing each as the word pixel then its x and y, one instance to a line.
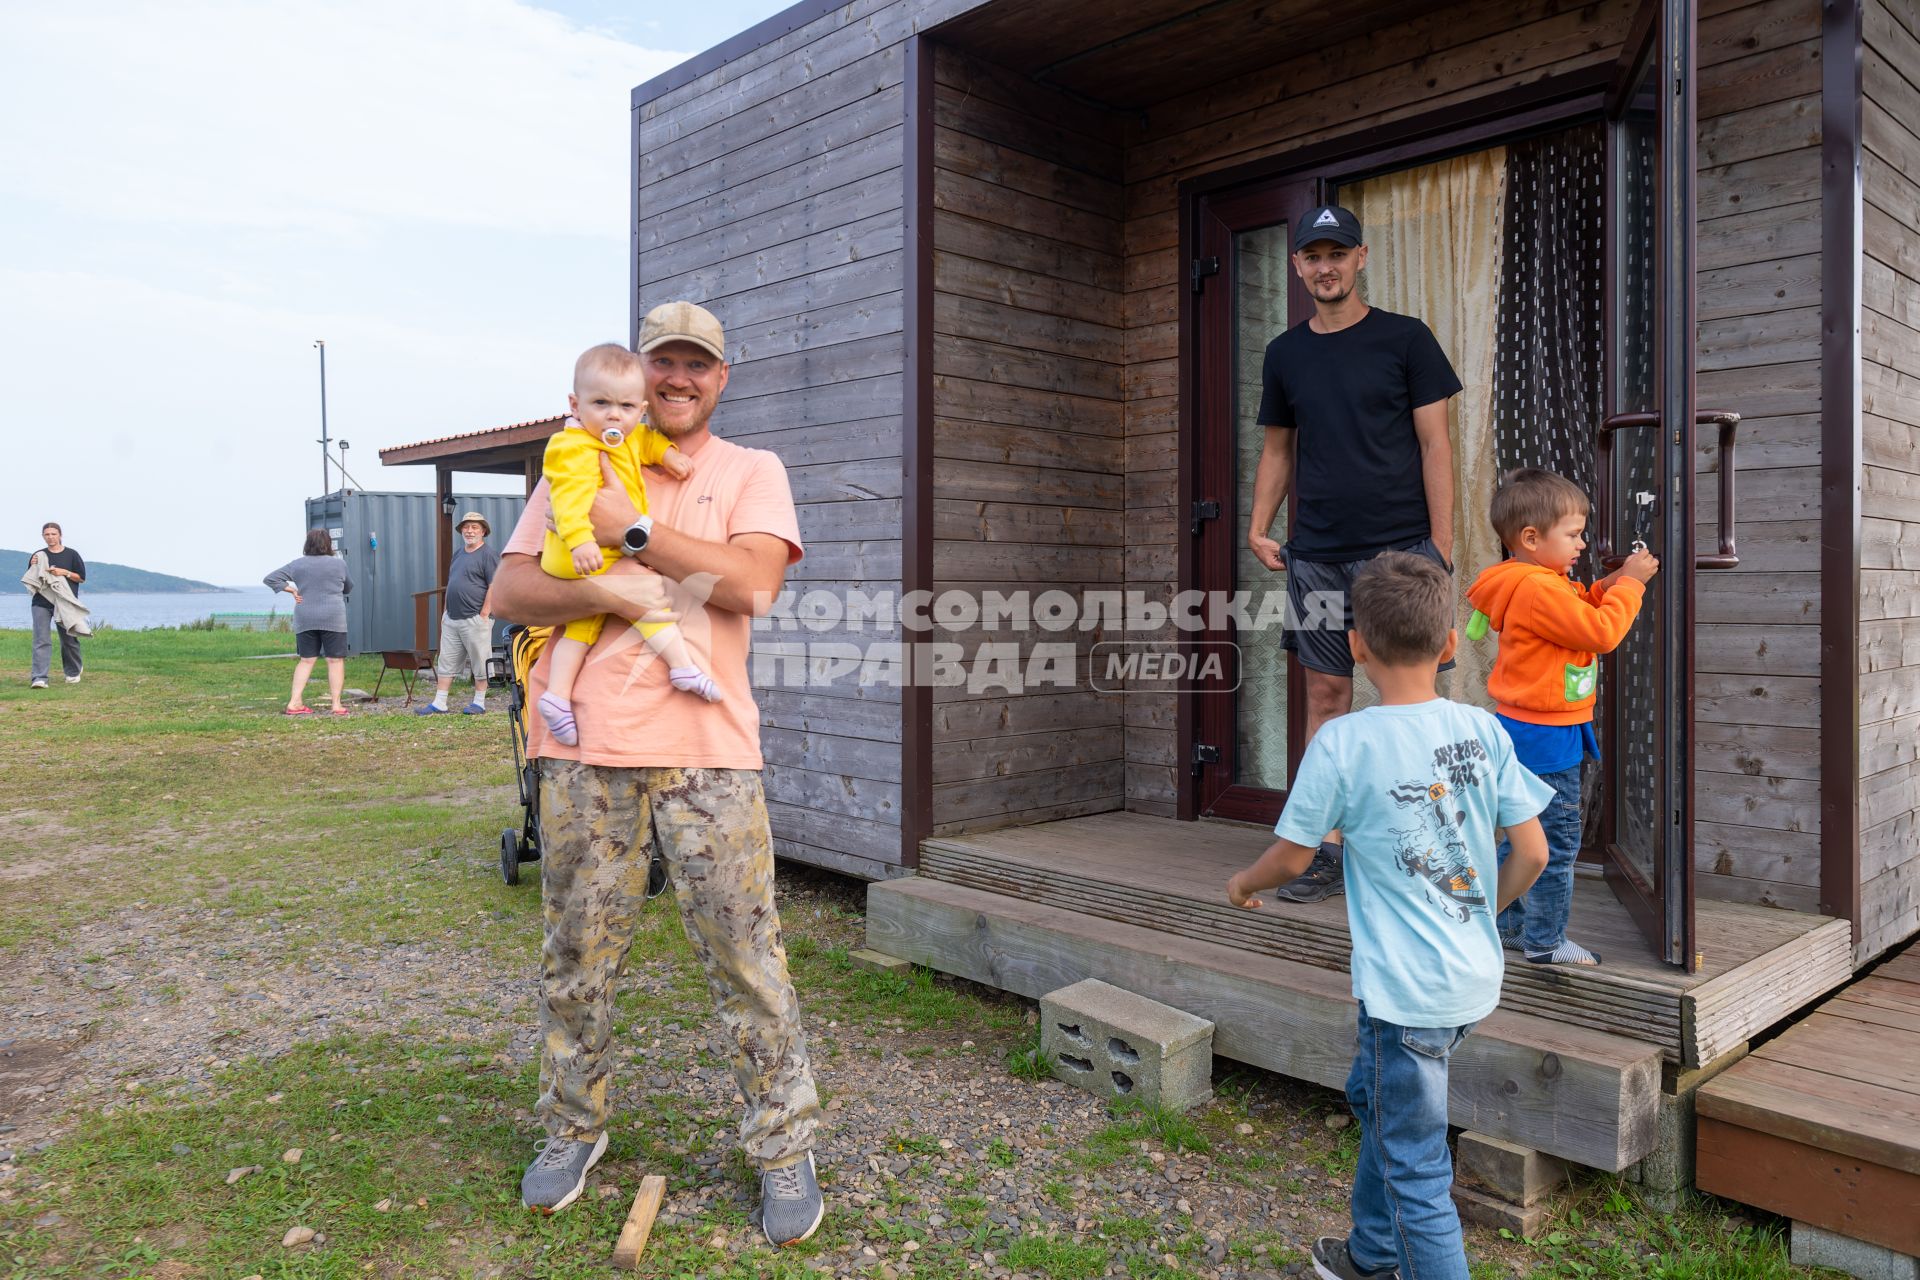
pixel 1203 510
pixel 1202 268
pixel 1204 754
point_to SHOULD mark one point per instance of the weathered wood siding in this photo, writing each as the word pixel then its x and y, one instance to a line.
pixel 1028 477
pixel 1890 483
pixel 1441 58
pixel 771 191
pixel 1757 635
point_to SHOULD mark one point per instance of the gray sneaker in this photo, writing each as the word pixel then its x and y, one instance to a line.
pixel 1331 1261
pixel 791 1206
pixel 558 1174
pixel 39 683
pixel 1324 877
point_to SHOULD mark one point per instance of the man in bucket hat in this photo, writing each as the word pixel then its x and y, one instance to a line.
pixel 658 774
pixel 466 626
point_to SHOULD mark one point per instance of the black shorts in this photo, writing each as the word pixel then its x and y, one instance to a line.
pixel 321 644
pixel 1318 598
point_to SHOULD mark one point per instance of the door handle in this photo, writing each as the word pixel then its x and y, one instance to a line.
pixel 1727 556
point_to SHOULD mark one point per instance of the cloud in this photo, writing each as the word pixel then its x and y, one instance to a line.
pixel 332 117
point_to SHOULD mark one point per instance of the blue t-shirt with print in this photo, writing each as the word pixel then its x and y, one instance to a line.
pixel 1416 791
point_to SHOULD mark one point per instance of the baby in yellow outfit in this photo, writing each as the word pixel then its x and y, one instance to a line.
pixel 608 406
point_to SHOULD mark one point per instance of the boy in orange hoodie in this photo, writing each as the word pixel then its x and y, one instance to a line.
pixel 1543 681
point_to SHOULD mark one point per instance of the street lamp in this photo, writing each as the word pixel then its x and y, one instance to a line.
pixel 326 474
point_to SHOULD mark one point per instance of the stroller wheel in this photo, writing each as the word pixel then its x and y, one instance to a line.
pixel 510 856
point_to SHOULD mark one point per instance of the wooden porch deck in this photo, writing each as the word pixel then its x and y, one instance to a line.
pixel 1570 1064
pixel 1758 965
pixel 1822 1124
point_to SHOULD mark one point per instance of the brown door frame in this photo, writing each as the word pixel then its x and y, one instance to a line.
pixel 1205 466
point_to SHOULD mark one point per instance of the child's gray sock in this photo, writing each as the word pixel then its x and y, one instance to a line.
pixel 1568 952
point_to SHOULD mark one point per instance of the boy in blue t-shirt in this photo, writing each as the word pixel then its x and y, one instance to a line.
pixel 1418 784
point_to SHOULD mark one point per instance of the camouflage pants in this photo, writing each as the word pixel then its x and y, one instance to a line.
pixel 597 825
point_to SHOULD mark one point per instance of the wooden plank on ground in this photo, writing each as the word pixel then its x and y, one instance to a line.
pixel 1567 1090
pixel 639 1223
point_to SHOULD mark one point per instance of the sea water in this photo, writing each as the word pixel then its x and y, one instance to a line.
pixel 138 610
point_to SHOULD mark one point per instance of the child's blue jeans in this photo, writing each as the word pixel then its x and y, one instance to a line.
pixel 1403 1212
pixel 1538 917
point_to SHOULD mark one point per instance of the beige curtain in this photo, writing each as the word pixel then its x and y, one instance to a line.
pixel 1433 251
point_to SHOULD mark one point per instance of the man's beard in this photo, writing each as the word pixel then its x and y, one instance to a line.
pixel 675 432
pixel 1340 297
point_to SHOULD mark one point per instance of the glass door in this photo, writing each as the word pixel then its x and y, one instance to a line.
pixel 1644 459
pixel 1245 294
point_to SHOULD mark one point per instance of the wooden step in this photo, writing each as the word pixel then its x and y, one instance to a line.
pixel 1822 1123
pixel 1585 1095
pixel 1760 965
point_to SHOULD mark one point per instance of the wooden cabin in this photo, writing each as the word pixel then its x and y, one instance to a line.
pixel 996 278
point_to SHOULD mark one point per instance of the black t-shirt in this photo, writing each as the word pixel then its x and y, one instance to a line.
pixel 64 558
pixel 1351 396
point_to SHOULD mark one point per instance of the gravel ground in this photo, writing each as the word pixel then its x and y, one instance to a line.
pixel 154 1002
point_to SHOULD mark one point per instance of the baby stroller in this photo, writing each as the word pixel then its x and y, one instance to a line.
pixel 509 665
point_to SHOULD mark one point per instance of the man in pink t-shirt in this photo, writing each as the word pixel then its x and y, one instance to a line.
pixel 658 772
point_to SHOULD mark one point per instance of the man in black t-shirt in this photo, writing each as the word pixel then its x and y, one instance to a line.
pixel 1355 412
pixel 62 562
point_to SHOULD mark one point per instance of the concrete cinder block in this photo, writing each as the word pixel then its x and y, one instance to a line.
pixel 878 962
pixel 1491 1211
pixel 1811 1246
pixel 1506 1171
pixel 1117 1044
pixel 1668 1170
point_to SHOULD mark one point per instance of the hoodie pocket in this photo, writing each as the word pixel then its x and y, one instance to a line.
pixel 1581 681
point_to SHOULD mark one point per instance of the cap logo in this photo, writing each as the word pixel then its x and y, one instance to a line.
pixel 1326 219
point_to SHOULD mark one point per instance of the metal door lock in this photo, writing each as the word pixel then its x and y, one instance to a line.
pixel 1642 499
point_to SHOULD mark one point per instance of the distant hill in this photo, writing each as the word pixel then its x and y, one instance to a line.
pixel 101 576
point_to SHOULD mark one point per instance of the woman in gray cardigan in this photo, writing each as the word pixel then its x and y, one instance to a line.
pixel 319 584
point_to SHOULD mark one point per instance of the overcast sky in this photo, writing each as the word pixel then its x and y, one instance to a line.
pixel 192 191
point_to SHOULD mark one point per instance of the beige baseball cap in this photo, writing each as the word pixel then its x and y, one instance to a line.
pixel 683 322
pixel 474 517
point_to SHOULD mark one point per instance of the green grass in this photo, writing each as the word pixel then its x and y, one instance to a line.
pixel 1060 1259
pixel 181 787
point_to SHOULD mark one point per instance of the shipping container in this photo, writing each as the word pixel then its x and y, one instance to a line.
pixel 388 541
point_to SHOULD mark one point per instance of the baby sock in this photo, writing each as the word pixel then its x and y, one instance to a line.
pixel 558 713
pixel 1568 952
pixel 694 680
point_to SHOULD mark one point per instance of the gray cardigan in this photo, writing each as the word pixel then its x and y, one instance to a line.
pixel 323 585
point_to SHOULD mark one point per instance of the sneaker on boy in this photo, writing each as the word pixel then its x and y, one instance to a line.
pixel 1417 785
pixel 1545 676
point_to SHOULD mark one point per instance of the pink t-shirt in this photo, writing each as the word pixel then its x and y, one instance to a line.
pixel 629 716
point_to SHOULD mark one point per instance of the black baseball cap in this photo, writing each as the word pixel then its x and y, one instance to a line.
pixel 1327 222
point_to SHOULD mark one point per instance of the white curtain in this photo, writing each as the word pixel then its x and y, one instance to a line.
pixel 1434 239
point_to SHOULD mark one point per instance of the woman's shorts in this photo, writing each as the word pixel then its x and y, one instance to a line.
pixel 321 644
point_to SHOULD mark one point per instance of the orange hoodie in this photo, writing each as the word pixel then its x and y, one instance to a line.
pixel 1550 629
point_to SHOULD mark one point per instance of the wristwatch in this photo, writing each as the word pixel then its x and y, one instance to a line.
pixel 634 540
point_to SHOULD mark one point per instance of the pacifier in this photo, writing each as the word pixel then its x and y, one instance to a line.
pixel 612 436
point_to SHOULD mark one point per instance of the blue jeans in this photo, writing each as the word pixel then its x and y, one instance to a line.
pixel 1538 917
pixel 1403 1212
